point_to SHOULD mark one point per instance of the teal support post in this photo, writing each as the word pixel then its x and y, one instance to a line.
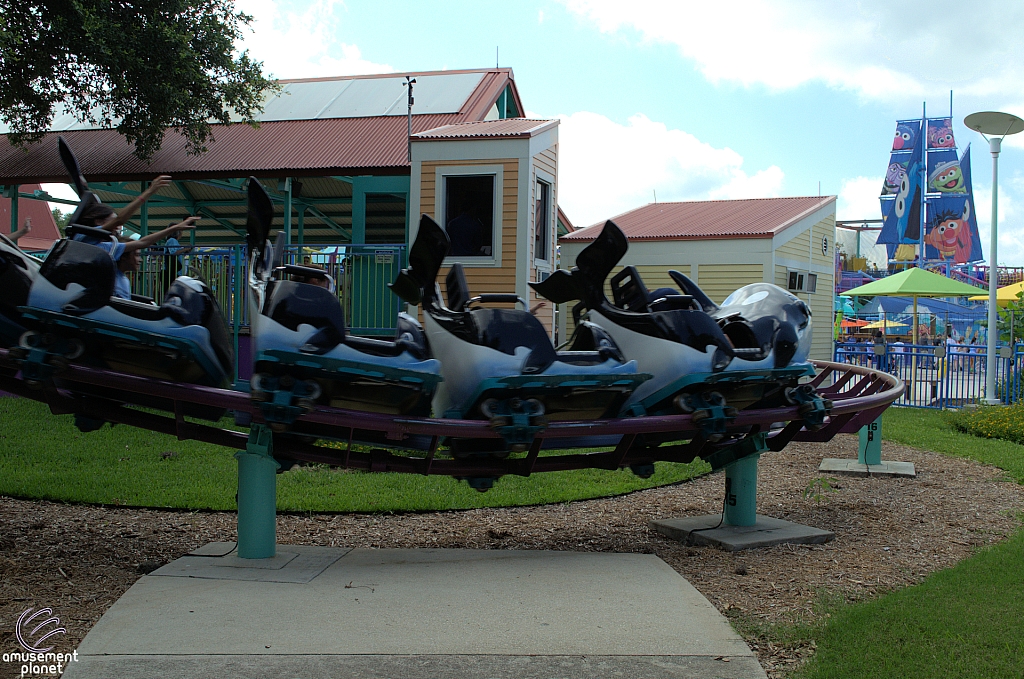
pixel 358 213
pixel 288 210
pixel 741 491
pixel 144 212
pixel 302 226
pixel 869 449
pixel 237 300
pixel 364 185
pixel 13 194
pixel 257 495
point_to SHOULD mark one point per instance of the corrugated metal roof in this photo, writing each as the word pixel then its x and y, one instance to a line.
pixel 367 97
pixel 342 146
pixel 435 92
pixel 368 144
pixel 509 128
pixel 699 220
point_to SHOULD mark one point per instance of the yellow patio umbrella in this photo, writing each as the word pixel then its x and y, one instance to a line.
pixel 884 324
pixel 1004 295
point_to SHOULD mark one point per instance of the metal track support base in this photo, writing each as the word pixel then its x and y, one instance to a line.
pixel 869 449
pixel 741 491
pixel 257 495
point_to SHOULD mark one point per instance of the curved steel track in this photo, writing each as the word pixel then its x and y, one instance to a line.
pixel 858 396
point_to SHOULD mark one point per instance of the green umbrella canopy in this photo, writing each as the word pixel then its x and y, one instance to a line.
pixel 914 283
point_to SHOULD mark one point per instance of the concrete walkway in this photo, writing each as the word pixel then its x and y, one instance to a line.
pixel 320 612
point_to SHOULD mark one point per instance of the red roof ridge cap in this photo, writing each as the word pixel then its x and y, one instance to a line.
pixel 396 74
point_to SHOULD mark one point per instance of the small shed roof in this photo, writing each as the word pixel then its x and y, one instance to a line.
pixel 709 219
pixel 511 128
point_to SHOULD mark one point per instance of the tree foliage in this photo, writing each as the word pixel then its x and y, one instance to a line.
pixel 142 66
pixel 60 218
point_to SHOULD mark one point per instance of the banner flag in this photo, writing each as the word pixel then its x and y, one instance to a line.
pixel 940 133
pixel 949 234
pixel 902 221
pixel 897 170
pixel 972 219
pixel 944 173
pixel 907 132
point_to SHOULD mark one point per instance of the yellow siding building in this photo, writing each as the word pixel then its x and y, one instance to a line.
pixel 725 244
pixel 502 176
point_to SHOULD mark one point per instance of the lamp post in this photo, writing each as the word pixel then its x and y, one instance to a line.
pixel 993 126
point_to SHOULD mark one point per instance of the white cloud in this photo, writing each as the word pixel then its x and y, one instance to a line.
pixel 607 168
pixel 61 191
pixel 1011 233
pixel 295 39
pixel 858 199
pixel 876 48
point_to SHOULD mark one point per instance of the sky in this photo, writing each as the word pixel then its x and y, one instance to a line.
pixel 680 100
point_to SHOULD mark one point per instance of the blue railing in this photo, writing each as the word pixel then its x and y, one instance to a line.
pixel 361 272
pixel 942 376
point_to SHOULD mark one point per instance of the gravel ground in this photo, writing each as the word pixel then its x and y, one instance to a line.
pixel 890 533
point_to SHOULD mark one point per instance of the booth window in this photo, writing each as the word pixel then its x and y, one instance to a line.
pixel 541 235
pixel 469 214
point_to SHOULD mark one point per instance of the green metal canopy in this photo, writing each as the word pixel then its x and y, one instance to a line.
pixel 914 282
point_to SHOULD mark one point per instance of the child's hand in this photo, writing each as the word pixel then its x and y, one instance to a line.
pixel 188 224
pixel 158 183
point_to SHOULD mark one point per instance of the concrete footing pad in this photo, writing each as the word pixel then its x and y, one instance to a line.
pixel 832 465
pixel 421 613
pixel 701 530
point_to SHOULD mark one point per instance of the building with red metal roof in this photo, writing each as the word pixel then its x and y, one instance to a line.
pixel 704 219
pixel 341 141
pixel 44 229
pixel 346 164
pixel 502 176
pixel 725 244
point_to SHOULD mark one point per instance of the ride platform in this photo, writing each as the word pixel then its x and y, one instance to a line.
pixel 321 612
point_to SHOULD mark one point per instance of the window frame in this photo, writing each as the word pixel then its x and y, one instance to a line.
pixel 441 172
pixel 542 177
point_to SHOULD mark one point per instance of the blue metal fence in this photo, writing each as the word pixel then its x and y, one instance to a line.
pixel 361 272
pixel 940 376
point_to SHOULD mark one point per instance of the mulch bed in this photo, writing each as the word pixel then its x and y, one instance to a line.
pixel 890 533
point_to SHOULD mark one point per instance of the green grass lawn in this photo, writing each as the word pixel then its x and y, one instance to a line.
pixel 963 622
pixel 43 456
pixel 932 430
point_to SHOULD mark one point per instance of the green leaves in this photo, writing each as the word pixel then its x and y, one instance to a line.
pixel 142 66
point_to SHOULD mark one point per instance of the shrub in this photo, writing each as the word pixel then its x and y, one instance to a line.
pixel 991 422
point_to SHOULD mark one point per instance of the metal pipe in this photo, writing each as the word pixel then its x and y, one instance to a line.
pixel 993 279
pixel 741 492
pixel 13 192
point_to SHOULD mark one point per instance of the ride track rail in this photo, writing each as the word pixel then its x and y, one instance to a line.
pixel 858 395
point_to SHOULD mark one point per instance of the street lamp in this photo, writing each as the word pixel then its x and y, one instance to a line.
pixel 998 125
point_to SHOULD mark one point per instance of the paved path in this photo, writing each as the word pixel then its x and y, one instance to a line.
pixel 323 612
